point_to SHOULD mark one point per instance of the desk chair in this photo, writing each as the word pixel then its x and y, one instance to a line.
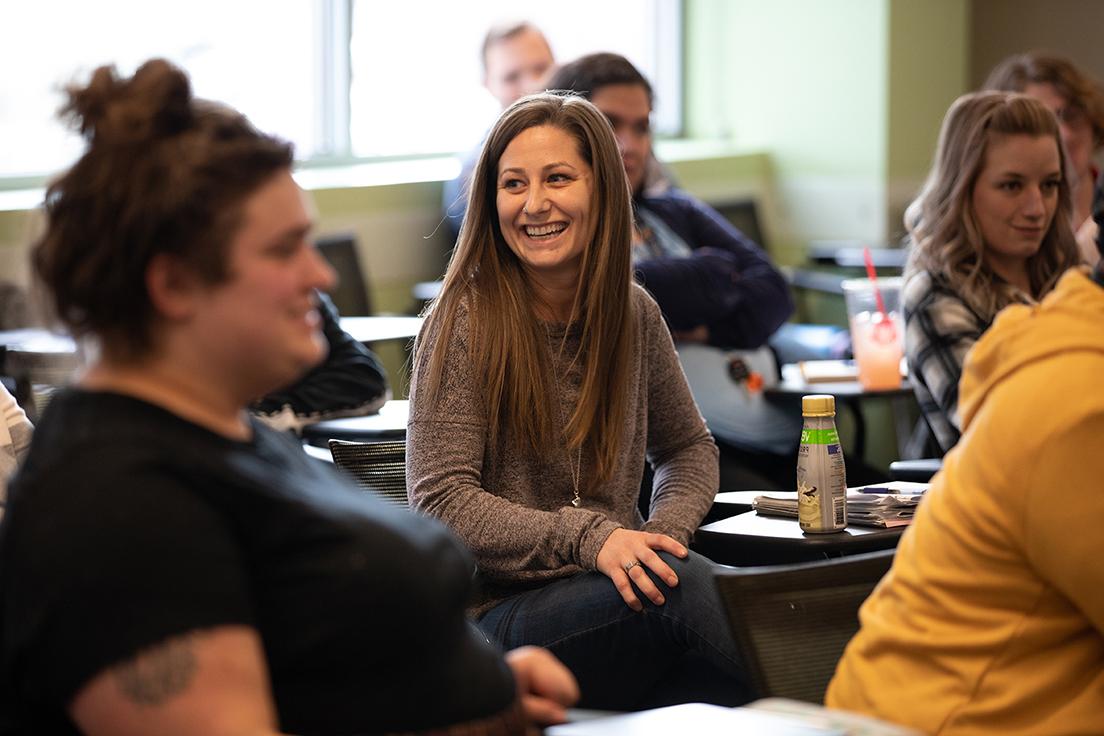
pixel 379 467
pixel 792 622
pixel 923 457
pixel 917 471
pixel 350 295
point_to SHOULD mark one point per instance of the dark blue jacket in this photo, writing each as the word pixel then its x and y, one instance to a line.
pixel 728 283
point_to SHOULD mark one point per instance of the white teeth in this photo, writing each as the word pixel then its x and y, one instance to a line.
pixel 536 231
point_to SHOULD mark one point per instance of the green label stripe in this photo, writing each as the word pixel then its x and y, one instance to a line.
pixel 819 437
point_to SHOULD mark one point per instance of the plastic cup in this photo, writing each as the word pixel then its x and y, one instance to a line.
pixel 877 338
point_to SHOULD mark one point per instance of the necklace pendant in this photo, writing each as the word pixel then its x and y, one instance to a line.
pixel 575 502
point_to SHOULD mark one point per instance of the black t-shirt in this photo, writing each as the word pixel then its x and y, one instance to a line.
pixel 128 525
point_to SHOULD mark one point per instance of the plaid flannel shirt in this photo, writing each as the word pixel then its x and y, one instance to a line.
pixel 940 328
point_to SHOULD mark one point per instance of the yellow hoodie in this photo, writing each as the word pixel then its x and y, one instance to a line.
pixel 992 618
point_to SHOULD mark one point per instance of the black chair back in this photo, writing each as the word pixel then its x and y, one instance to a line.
pixel 379 467
pixel 792 622
pixel 350 295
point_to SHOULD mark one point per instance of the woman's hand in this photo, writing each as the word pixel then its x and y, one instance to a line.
pixel 544 685
pixel 625 555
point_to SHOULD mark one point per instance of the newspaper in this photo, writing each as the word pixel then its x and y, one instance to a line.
pixel 882 505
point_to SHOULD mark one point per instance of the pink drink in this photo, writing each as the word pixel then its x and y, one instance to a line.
pixel 876 341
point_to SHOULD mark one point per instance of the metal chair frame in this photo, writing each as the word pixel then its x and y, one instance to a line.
pixel 792 622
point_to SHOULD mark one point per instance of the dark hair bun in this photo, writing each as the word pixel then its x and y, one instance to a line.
pixel 154 103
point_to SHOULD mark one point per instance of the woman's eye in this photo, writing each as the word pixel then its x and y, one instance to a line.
pixel 1052 185
pixel 558 178
pixel 1010 186
pixel 512 184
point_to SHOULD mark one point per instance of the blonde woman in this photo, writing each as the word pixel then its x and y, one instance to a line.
pixel 991 227
pixel 542 380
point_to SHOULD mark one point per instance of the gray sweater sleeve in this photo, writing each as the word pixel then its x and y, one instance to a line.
pixel 512 506
pixel 680 447
pixel 447 446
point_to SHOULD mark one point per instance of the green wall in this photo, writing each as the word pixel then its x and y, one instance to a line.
pixel 845 96
pixel 928 68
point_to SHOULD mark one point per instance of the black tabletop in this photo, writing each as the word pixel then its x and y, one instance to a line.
pixel 749 539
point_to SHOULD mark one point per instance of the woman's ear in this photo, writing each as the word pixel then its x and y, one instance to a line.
pixel 172 286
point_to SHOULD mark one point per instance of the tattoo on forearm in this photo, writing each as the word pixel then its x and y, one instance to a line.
pixel 158 673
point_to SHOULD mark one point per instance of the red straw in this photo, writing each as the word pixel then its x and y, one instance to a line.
pixel 873 276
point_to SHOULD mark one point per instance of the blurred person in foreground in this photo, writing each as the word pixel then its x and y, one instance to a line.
pixel 991 620
pixel 168 564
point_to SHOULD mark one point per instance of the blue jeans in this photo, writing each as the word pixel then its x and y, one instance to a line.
pixel 679 652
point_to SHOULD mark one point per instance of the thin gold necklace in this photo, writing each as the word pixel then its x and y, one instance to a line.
pixel 576 468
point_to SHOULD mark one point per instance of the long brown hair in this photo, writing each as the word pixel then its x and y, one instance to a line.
pixel 507 341
pixel 945 234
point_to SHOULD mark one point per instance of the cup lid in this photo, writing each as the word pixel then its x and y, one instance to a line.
pixel 864 284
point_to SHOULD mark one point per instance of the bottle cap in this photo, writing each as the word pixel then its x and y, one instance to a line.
pixel 818 405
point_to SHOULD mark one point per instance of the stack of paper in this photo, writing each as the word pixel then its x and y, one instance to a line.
pixel 828 371
pixel 883 505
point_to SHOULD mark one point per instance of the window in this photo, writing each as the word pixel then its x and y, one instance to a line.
pixel 342 79
pixel 421 91
pixel 238 51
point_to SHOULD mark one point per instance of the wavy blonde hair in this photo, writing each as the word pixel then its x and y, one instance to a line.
pixel 942 226
pixel 507 341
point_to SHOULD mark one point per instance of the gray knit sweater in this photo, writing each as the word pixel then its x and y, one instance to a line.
pixel 514 509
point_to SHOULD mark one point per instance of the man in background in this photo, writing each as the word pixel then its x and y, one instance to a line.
pixel 516 60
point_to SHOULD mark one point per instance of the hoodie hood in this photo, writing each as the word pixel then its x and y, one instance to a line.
pixel 1070 318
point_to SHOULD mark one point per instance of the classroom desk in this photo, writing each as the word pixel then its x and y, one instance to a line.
pixel 694 718
pixel 382 328
pixel 748 539
pixel 851 394
pixel 731 503
pixel 363 329
pixel 388 424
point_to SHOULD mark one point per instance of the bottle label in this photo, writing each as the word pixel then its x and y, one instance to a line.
pixel 821 480
pixel 820 437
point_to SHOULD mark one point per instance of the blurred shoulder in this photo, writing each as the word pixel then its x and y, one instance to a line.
pixel 643 305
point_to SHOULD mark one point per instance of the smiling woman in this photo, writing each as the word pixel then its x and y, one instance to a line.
pixel 544 195
pixel 543 380
pixel 990 228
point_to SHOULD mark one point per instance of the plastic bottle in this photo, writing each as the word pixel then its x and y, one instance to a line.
pixel 821 477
